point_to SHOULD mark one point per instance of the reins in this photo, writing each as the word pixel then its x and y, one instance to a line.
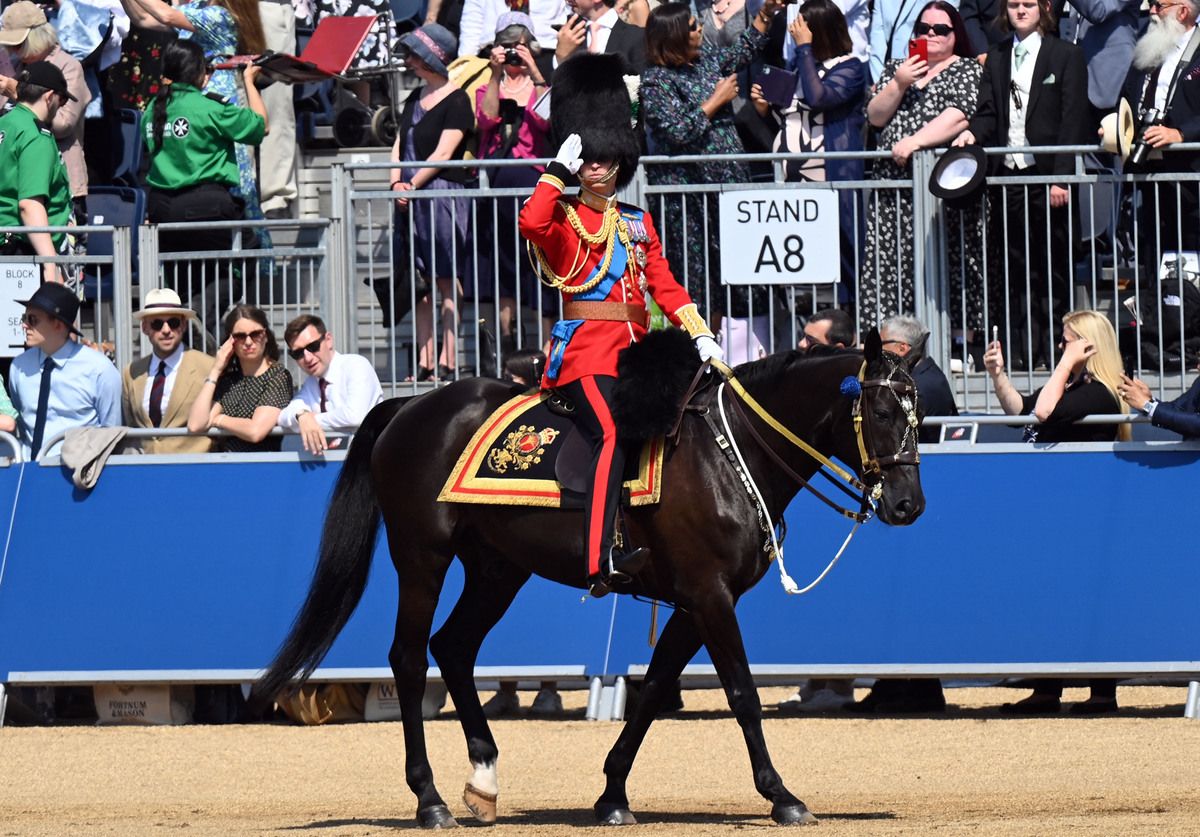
pixel 872 465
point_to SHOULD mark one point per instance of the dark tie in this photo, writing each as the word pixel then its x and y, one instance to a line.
pixel 156 394
pixel 1149 93
pixel 323 384
pixel 39 424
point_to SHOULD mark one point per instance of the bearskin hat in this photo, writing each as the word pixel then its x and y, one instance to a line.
pixel 590 98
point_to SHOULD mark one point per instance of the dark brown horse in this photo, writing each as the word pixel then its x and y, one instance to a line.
pixel 705 538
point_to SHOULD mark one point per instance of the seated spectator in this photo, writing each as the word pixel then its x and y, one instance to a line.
pixel 245 398
pixel 158 390
pixel 510 128
pixel 29 37
pixel 902 335
pixel 57 383
pixel 597 26
pixel 1085 382
pixel 34 188
pixel 827 327
pixel 193 172
pixel 1181 415
pixel 686 95
pixel 340 389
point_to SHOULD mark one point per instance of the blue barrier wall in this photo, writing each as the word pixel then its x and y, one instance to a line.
pixel 1023 556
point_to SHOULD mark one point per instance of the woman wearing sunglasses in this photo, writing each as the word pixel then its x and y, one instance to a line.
pixel 922 101
pixel 244 399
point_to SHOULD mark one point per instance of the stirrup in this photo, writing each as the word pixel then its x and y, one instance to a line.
pixel 623 566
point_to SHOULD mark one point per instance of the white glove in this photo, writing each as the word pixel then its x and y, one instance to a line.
pixel 709 349
pixel 568 153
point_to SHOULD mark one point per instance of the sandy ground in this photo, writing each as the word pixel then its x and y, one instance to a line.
pixel 970 772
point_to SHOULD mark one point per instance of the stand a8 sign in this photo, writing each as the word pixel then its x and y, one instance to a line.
pixel 780 237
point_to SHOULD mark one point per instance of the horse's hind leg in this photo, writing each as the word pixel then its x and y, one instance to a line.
pixel 722 636
pixel 421 575
pixel 488 590
pixel 678 644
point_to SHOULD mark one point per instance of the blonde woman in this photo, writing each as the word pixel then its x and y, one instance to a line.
pixel 1085 382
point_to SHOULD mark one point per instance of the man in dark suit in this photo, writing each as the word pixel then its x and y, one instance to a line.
pixel 1165 80
pixel 1033 92
pixel 1181 415
pixel 595 27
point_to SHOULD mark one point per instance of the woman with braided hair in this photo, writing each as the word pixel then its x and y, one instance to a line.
pixel 605 258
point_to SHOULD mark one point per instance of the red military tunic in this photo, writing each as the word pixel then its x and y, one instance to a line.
pixel 593 346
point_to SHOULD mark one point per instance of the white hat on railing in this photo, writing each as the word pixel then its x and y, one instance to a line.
pixel 1117 130
pixel 162 302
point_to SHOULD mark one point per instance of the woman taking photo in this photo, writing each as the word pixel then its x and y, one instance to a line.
pixel 192 139
pixel 433 126
pixel 510 129
pixel 222 28
pixel 244 398
pixel 1085 382
pixel 826 112
pixel 920 104
pixel 686 93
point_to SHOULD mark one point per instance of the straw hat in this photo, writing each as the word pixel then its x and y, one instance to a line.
pixel 163 302
pixel 1117 130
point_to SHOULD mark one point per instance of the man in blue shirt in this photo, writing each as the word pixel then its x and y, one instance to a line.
pixel 58 383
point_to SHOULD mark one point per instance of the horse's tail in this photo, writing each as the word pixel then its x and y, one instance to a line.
pixel 344 562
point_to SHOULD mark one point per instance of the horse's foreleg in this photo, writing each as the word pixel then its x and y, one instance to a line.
pixel 678 644
pixel 722 636
pixel 421 576
pixel 488 590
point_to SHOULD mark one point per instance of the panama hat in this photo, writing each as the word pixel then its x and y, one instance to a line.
pixel 959 174
pixel 162 302
pixel 1117 130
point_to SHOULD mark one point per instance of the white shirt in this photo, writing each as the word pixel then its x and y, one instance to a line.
pixel 606 22
pixel 1022 80
pixel 477 28
pixel 1167 73
pixel 352 389
pixel 172 364
pixel 858 19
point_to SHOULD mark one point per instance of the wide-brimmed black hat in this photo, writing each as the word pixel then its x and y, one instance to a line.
pixel 959 175
pixel 590 98
pixel 56 300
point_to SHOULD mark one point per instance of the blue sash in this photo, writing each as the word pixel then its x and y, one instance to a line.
pixel 564 330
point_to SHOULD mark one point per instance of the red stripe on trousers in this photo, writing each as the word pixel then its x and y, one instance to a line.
pixel 595 524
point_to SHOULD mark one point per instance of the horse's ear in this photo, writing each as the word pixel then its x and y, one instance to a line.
pixel 916 353
pixel 873 346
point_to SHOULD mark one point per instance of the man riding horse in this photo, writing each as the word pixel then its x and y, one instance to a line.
pixel 603 256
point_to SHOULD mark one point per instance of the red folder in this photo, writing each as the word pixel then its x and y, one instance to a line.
pixel 329 51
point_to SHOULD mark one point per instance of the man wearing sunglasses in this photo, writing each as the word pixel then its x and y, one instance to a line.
pixel 338 393
pixel 158 390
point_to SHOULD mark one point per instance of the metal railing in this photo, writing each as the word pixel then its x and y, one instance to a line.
pixel 997 264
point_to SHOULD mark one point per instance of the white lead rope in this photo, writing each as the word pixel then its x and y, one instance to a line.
pixel 789 584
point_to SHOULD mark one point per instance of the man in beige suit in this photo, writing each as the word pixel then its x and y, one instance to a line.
pixel 158 390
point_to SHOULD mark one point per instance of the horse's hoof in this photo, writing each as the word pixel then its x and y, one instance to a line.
pixel 793 814
pixel 611 813
pixel 482 805
pixel 436 816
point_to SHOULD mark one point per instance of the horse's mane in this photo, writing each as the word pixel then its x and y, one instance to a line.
pixel 771 367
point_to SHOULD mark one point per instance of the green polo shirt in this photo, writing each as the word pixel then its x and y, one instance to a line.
pixel 31 167
pixel 198 139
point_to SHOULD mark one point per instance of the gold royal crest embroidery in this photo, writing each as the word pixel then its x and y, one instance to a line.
pixel 522 448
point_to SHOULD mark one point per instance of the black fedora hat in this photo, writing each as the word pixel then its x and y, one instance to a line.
pixel 959 175
pixel 56 300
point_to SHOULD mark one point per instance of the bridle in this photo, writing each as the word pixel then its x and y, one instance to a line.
pixel 869 483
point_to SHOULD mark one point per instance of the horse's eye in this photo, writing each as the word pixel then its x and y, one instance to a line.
pixel 882 415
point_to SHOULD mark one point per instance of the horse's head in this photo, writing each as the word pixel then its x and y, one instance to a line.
pixel 885 427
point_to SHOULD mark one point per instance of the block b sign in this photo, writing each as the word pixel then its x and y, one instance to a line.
pixel 781 237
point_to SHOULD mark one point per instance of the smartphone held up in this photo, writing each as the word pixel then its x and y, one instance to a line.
pixel 918 48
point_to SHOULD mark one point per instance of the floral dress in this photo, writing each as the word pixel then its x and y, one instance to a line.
pixel 675 125
pixel 136 78
pixel 887 277
pixel 216 32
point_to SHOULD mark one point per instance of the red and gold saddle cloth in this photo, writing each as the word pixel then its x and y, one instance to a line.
pixel 511 460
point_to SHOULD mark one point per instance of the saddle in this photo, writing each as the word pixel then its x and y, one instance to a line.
pixel 529 453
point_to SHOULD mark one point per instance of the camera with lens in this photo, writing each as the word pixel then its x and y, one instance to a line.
pixel 1141 148
pixel 512 58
